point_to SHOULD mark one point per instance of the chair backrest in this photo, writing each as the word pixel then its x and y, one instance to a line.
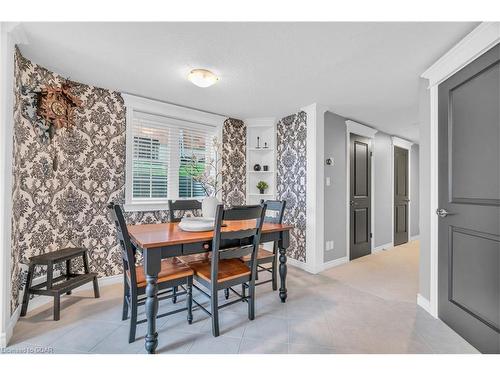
pixel 181 205
pixel 276 209
pixel 128 250
pixel 228 244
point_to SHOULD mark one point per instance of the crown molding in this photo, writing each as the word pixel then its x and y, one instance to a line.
pixel 477 42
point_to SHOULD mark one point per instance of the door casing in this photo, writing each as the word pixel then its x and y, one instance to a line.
pixel 476 43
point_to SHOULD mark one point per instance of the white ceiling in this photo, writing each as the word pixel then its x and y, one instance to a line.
pixel 365 71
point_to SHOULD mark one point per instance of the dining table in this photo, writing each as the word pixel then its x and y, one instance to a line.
pixel 167 240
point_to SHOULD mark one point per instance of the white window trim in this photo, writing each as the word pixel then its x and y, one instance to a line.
pixel 155 107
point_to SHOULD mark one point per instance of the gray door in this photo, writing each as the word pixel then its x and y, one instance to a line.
pixel 469 202
pixel 360 203
pixel 401 196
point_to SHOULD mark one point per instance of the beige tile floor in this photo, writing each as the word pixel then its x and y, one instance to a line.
pixel 365 306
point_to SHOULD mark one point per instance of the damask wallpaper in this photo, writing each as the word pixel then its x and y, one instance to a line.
pixel 291 179
pixel 66 206
pixel 234 137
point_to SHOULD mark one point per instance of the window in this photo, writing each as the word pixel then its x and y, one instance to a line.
pixel 163 153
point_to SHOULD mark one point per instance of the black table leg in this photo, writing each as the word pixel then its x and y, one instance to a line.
pixel 283 245
pixel 152 264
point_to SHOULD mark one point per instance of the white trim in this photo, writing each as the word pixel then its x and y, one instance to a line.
pixel 476 43
pixel 425 304
pixel 11 34
pixel 315 197
pixel 298 264
pixel 402 143
pixel 260 121
pixel 364 131
pixel 7 335
pixel 383 247
pixel 155 107
pixel 360 129
pixel 415 238
pixel 333 263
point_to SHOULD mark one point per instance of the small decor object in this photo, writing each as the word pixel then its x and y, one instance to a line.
pixel 57 105
pixel 256 167
pixel 262 186
pixel 208 174
pixel 329 161
pixel 265 145
pixel 258 142
pixel 266 168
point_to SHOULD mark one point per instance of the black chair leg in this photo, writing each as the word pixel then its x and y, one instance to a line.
pixel 251 300
pixel 243 291
pixel 189 300
pixel 126 293
pixel 226 293
pixel 215 313
pixel 174 292
pixel 133 319
pixel 26 297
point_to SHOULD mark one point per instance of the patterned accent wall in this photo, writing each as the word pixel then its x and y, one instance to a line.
pixel 291 179
pixel 66 206
pixel 234 136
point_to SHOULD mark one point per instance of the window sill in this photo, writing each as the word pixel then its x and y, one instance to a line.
pixel 145 206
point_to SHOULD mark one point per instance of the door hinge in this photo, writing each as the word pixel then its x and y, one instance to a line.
pixel 371 153
pixel 371 235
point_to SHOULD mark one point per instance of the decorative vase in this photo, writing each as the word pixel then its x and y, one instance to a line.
pixel 262 191
pixel 256 167
pixel 209 206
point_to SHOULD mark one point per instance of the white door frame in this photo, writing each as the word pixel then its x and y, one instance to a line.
pixel 353 127
pixel 476 43
pixel 401 143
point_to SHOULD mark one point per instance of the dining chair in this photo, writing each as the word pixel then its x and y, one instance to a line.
pixel 173 273
pixel 224 269
pixel 275 211
pixel 176 211
pixel 274 214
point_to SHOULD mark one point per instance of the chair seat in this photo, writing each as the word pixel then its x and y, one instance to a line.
pixel 262 254
pixel 229 269
pixel 171 269
pixel 194 258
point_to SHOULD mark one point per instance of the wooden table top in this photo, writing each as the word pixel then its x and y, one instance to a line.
pixel 166 234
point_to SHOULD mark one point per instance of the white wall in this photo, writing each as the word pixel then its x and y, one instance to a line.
pixel 424 188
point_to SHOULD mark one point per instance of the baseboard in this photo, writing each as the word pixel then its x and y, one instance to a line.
pixel 297 263
pixel 414 238
pixel 424 303
pixel 385 246
pixel 333 263
pixel 38 301
pixel 9 330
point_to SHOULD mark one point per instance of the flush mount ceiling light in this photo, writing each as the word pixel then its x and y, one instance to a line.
pixel 202 77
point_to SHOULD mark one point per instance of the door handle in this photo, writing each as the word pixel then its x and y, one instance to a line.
pixel 441 212
pixel 352 203
pixel 406 200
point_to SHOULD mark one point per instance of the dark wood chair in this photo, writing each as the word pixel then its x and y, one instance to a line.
pixel 275 211
pixel 224 269
pixel 173 274
pixel 177 209
pixel 274 214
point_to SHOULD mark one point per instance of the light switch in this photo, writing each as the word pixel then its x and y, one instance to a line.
pixel 328 182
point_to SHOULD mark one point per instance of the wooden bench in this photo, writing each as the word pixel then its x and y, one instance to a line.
pixel 63 284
